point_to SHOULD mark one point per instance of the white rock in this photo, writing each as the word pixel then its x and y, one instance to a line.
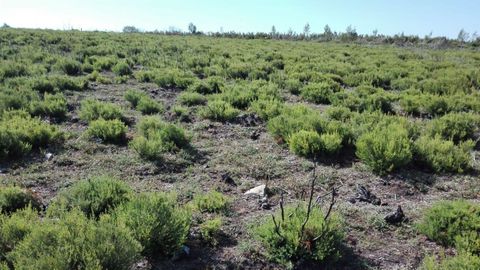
pixel 48 156
pixel 259 190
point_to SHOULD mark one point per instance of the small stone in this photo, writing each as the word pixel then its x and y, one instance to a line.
pixel 186 250
pixel 259 190
pixel 266 206
pixel 48 156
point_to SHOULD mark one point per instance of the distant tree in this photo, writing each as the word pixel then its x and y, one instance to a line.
pixel 350 33
pixel 192 28
pixel 375 32
pixel 327 32
pixel 306 29
pixel 474 36
pixel 273 32
pixel 463 36
pixel 5 26
pixel 290 33
pixel 130 29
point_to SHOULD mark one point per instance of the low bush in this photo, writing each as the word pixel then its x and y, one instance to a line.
pixel 464 261
pixel 181 113
pixel 156 137
pixel 52 105
pixel 15 198
pixel 210 229
pixel 451 223
pixel 104 63
pixel 455 126
pixel 212 201
pixel 143 102
pixel 287 245
pixel 442 155
pixel 76 242
pixel 109 131
pixel 319 92
pixel 267 108
pixel 94 196
pixel 385 148
pixel 70 67
pixel 219 110
pixel 191 98
pixel 156 222
pixel 293 86
pixel 20 133
pixel 92 109
pixel 310 143
pixel 122 68
pixel 338 113
pixel 14 228
pixel 134 96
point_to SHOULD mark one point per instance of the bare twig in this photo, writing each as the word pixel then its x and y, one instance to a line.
pixel 281 208
pixel 310 199
pixel 332 202
pixel 277 227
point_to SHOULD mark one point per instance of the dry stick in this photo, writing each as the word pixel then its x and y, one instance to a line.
pixel 277 228
pixel 309 208
pixel 332 202
pixel 281 208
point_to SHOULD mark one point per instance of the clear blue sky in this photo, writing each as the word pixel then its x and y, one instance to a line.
pixel 442 17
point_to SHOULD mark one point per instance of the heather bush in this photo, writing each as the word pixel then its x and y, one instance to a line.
pixel 455 126
pixel 289 245
pixel 14 228
pixel 156 221
pixel 218 110
pixel 92 109
pixel 15 198
pixel 54 105
pixel 442 155
pixel 70 67
pixel 191 98
pixel 94 196
pixel 319 92
pixel 385 149
pixel 122 68
pixel 212 201
pixel 109 131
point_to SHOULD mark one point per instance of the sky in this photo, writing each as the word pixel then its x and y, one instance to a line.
pixel 417 17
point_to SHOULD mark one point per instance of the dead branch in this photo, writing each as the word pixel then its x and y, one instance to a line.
pixel 281 208
pixel 310 199
pixel 332 202
pixel 277 227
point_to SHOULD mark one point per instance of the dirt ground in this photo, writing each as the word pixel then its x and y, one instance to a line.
pixel 249 156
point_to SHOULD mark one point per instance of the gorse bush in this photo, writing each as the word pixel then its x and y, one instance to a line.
pixel 109 131
pixel 156 137
pixel 267 108
pixel 15 198
pixel 192 98
pixel 134 96
pixel 289 245
pixel 75 241
pixel 310 143
pixel 464 261
pixel 453 223
pixel 20 133
pixel 156 222
pixel 385 148
pixel 92 109
pixel 212 201
pixel 320 92
pixel 94 196
pixel 219 110
pixel 442 155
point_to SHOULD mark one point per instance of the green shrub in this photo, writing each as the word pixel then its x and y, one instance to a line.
pixel 212 201
pixel 443 155
pixel 20 133
pixel 110 131
pixel 104 63
pixel 210 229
pixel 291 246
pixel 218 110
pixel 122 68
pixel 192 98
pixel 147 105
pixel 319 92
pixel 338 113
pixel 385 148
pixel 455 126
pixel 76 242
pixel 293 86
pixel 12 69
pixel 134 96
pixel 69 66
pixel 155 137
pixel 92 109
pixel 305 143
pixel 450 222
pixel 267 108
pixel 52 105
pixel 181 113
pixel 15 227
pixel 15 198
pixel 94 196
pixel 464 261
pixel 331 143
pixel 200 87
pixel 293 119
pixel 156 222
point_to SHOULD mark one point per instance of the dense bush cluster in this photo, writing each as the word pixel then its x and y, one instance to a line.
pixel 453 224
pixel 143 102
pixel 95 224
